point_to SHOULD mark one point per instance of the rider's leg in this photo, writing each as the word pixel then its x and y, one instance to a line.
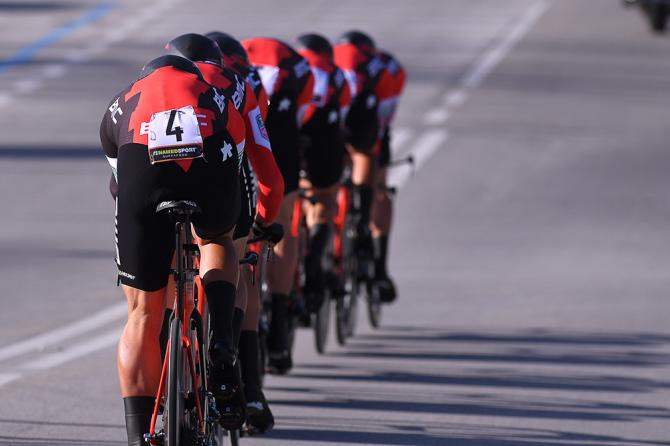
pixel 139 359
pixel 362 177
pixel 219 270
pixel 259 415
pixel 241 297
pixel 380 227
pixel 320 216
pixel 280 277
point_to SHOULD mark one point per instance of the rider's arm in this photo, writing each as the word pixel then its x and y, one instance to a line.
pixel 345 102
pixel 305 97
pixel 110 150
pixel 259 152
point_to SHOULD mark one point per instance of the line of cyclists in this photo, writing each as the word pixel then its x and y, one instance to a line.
pixel 244 129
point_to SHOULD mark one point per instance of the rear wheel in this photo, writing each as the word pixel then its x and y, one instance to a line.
pixel 374 306
pixel 321 322
pixel 174 401
pixel 658 16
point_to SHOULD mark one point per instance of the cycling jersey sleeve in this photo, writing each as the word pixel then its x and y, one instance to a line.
pixel 263 103
pixel 345 101
pixel 305 97
pixel 107 140
pixel 259 152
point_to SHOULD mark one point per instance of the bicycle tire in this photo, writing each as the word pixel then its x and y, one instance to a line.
pixel 321 323
pixel 341 330
pixel 374 306
pixel 352 315
pixel 174 400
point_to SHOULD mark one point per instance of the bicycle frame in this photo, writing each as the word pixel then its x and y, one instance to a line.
pixel 183 274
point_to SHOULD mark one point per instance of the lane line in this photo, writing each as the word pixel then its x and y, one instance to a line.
pixel 29 52
pixel 472 79
pixel 6 378
pixel 436 116
pixel 422 150
pixel 490 60
pixel 49 338
pixel 93 345
pixel 455 99
pixel 399 138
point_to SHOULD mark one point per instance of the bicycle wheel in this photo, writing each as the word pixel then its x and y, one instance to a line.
pixel 374 306
pixel 321 322
pixel 341 326
pixel 174 400
pixel 352 314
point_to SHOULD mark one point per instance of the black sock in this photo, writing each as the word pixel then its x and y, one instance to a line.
pixel 380 249
pixel 318 240
pixel 238 318
pixel 278 325
pixel 221 302
pixel 249 361
pixel 165 332
pixel 139 410
pixel 363 204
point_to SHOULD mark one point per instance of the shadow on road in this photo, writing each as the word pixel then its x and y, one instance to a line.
pixel 405 373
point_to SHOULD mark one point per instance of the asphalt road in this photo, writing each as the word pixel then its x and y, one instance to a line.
pixel 530 245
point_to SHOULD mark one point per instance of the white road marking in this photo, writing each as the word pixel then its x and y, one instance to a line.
pixel 54 70
pixel 431 141
pixel 26 85
pixel 93 345
pixel 400 137
pixel 52 337
pixel 121 31
pixel 6 378
pixel 455 99
pixel 490 60
pixel 422 150
pixel 436 116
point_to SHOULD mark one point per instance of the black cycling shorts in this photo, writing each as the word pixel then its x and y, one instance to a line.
pixel 282 127
pixel 361 123
pixel 385 149
pixel 144 239
pixel 247 201
pixel 324 153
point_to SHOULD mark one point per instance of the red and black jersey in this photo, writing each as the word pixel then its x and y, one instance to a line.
pixel 331 95
pixel 364 71
pixel 253 78
pixel 255 143
pixel 282 69
pixel 389 88
pixel 127 119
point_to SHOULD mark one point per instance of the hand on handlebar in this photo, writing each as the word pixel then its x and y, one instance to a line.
pixel 273 233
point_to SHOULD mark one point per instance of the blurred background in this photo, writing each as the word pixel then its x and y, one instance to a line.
pixel 530 244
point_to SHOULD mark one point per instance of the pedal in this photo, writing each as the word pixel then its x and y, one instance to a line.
pixel 157 439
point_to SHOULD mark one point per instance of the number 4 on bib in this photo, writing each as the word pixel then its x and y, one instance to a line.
pixel 174 135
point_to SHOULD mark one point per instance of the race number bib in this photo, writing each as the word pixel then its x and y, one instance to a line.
pixel 174 135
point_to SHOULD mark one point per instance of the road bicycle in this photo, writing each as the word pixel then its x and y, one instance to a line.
pixel 188 412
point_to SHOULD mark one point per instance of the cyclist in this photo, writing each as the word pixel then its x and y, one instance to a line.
pixel 382 210
pixel 206 55
pixel 324 155
pixel 288 81
pixel 191 155
pixel 356 55
pixel 259 415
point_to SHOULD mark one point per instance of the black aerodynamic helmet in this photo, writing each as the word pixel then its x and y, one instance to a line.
pixel 230 46
pixel 316 43
pixel 170 60
pixel 357 38
pixel 196 47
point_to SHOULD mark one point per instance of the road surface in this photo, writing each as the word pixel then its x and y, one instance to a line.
pixel 530 246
